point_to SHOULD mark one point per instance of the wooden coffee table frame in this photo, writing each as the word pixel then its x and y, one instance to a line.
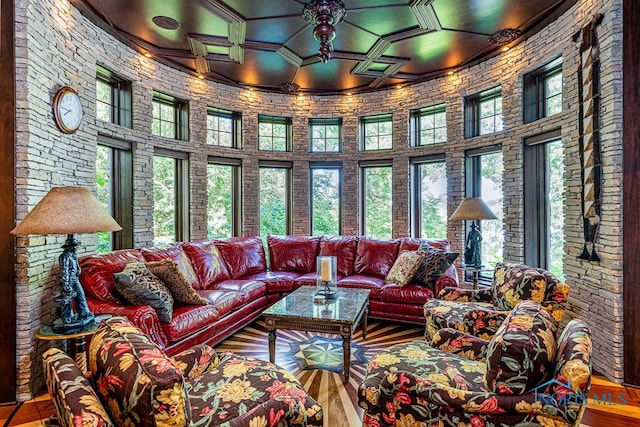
pixel 344 328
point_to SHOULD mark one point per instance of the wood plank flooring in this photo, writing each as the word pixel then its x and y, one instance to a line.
pixel 610 405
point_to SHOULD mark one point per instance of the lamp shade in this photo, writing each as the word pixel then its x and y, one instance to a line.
pixel 472 208
pixel 67 210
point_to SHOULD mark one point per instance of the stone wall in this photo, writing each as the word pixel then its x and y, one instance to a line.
pixel 56 45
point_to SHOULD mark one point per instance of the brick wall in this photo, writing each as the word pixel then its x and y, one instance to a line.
pixel 57 46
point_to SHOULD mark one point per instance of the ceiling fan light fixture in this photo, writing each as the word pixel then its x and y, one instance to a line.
pixel 324 14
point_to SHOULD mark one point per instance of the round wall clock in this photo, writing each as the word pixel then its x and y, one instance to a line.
pixel 67 109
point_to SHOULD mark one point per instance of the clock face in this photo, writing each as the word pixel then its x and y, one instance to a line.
pixel 67 109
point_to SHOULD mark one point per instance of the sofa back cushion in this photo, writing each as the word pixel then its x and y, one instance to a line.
pixel 515 282
pixel 413 243
pixel 97 271
pixel 176 254
pixel 573 360
pixel 375 257
pixel 143 386
pixel 207 263
pixel 73 398
pixel 343 248
pixel 521 354
pixel 243 255
pixel 293 253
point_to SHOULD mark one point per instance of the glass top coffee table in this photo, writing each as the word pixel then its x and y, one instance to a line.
pixel 339 316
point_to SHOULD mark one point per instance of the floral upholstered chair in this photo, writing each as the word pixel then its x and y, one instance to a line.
pixel 133 382
pixel 523 376
pixel 480 312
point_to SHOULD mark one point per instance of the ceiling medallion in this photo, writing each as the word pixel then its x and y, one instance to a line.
pixel 502 37
pixel 324 14
pixel 290 87
pixel 166 22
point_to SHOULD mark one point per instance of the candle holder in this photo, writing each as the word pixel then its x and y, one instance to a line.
pixel 326 283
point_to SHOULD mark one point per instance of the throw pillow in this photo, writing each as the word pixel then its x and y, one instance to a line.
pixel 404 268
pixel 141 287
pixel 434 264
pixel 169 272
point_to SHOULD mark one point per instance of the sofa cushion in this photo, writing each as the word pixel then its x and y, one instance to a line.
pixel 278 281
pixel 343 248
pixel 404 268
pixel 413 243
pixel 375 257
pixel 411 293
pixel 168 271
pixel 520 355
pixel 293 253
pixel 513 282
pixel 435 263
pixel 358 281
pixel 177 254
pixel 142 385
pixel 96 273
pixel 243 255
pixel 251 289
pixel 223 300
pixel 141 287
pixel 208 263
pixel 188 319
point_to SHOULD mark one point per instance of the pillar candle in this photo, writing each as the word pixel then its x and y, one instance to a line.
pixel 325 269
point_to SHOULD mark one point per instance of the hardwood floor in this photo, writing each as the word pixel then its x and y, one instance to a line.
pixel 610 405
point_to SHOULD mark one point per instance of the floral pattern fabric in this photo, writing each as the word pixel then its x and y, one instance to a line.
pixel 404 268
pixel 73 398
pixel 416 385
pixel 476 318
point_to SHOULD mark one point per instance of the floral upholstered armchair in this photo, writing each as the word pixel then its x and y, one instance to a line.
pixel 133 382
pixel 523 376
pixel 480 312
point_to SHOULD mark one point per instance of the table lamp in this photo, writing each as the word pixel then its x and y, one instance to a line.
pixel 472 209
pixel 68 210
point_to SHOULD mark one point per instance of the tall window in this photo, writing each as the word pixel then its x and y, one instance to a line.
pixel 429 197
pixel 224 196
pixel 376 132
pixel 224 128
pixel 376 194
pixel 114 184
pixel 428 125
pixel 543 202
pixel 543 91
pixel 326 199
pixel 325 135
pixel 170 117
pixel 275 133
pixel 113 98
pixel 483 113
pixel 484 171
pixel 170 197
pixel 275 198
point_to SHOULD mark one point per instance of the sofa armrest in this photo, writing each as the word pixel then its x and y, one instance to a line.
pixel 443 282
pixel 461 344
pixel 466 295
pixel 142 316
pixel 197 360
pixel 554 308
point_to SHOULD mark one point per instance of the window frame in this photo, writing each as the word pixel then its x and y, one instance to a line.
pixel 416 117
pixel 236 190
pixel 181 114
pixel 377 118
pixel 326 165
pixel 236 126
pixel 181 191
pixel 472 114
pixel 273 120
pixel 324 122
pixel 416 191
pixel 121 194
pixel 120 105
pixel 362 205
pixel 534 90
pixel 288 166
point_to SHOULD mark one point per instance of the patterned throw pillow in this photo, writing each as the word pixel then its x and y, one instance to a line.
pixel 169 272
pixel 404 268
pixel 434 264
pixel 141 287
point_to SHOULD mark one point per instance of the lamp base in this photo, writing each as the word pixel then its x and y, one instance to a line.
pixel 76 324
pixel 327 292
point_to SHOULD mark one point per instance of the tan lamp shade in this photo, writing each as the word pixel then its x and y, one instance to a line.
pixel 472 208
pixel 67 210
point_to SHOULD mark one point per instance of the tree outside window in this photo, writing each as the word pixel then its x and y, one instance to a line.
pixel 377 198
pixel 491 170
pixel 104 160
pixel 326 200
pixel 275 199
pixel 430 201
pixel 326 135
pixel 429 125
pixel 220 192
pixel 170 197
pixel 377 132
pixel 274 133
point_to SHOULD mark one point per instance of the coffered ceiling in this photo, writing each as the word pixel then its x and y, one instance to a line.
pixel 267 44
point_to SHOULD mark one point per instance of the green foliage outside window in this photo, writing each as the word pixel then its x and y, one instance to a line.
pixel 164 200
pixel 556 209
pixel 103 192
pixel 273 201
pixel 325 193
pixel 492 169
pixel 219 201
pixel 378 201
pixel 433 200
pixel 103 100
pixel 164 119
pixel 553 92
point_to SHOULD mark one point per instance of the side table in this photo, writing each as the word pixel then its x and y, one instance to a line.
pixel 46 333
pixel 475 272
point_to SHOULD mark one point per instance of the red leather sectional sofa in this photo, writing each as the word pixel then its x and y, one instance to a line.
pixel 232 275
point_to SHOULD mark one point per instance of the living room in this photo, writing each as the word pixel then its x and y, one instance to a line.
pixel 56 45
